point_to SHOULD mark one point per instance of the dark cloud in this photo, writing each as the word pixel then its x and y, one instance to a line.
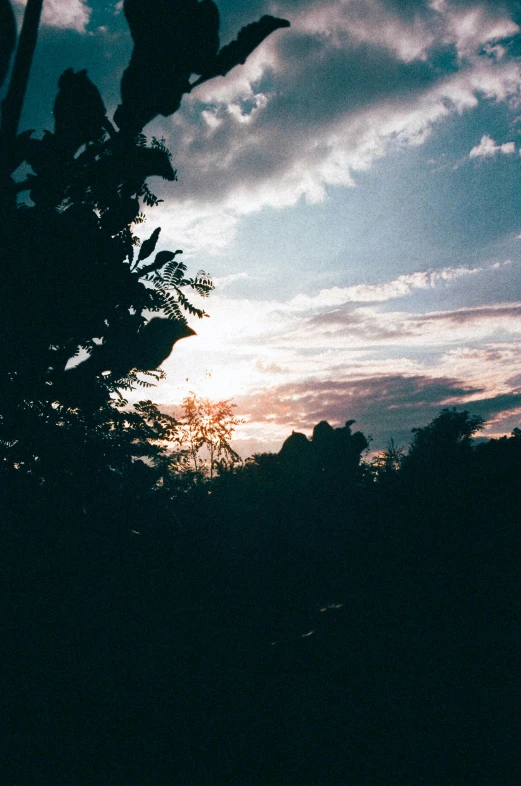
pixel 381 404
pixel 318 87
pixel 495 406
pixel 358 325
pixel 338 316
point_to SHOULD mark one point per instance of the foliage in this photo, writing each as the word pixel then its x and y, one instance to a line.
pixel 79 289
pixel 442 446
pixel 387 463
pixel 172 42
pixel 208 427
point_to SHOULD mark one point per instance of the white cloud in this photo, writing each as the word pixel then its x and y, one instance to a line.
pixel 222 282
pixel 474 25
pixel 487 148
pixel 246 341
pixel 470 27
pixel 308 111
pixel 255 349
pixel 389 290
pixel 71 14
pixel 194 228
pixel 367 21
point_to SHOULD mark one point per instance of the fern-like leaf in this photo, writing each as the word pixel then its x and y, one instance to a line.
pixel 183 300
pixel 173 272
pixel 172 309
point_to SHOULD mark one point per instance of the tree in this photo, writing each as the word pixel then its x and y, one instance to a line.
pixel 443 448
pixel 7 37
pixel 387 463
pixel 208 426
pixel 450 431
pixel 76 281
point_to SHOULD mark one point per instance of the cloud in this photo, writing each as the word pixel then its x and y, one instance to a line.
pixel 222 282
pixel 322 101
pixel 289 364
pixel 71 14
pixel 383 405
pixel 487 148
pixel 312 108
pixel 194 228
pixel 472 25
pixel 269 368
pixel 466 315
pixel 408 29
pixel 306 335
pixel 379 293
pixel 307 402
pixel 371 326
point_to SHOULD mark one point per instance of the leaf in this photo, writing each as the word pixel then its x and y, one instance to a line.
pixel 173 273
pixel 148 246
pixel 202 283
pixel 195 312
pixel 149 161
pixel 172 309
pixel 237 52
pixel 161 259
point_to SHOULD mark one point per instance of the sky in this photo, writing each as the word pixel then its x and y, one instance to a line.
pixel 354 190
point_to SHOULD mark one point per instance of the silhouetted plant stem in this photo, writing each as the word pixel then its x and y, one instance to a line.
pixel 13 101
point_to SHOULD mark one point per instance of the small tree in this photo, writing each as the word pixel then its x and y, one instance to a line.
pixel 388 462
pixel 208 426
pixel 443 448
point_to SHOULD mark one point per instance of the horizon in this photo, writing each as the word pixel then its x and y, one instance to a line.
pixel 353 191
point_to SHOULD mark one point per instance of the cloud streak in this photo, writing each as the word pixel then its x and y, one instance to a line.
pixel 64 14
pixel 380 293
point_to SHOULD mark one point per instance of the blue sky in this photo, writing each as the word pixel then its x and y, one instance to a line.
pixel 354 191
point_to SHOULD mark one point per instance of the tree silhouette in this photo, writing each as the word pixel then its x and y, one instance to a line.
pixel 332 456
pixel 173 40
pixel 443 447
pixel 208 426
pixel 386 464
pixel 75 286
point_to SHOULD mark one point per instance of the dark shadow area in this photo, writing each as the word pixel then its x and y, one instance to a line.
pixel 306 618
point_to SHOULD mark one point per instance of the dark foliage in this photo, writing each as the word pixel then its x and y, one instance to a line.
pixel 174 40
pixel 287 624
pixel 75 287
